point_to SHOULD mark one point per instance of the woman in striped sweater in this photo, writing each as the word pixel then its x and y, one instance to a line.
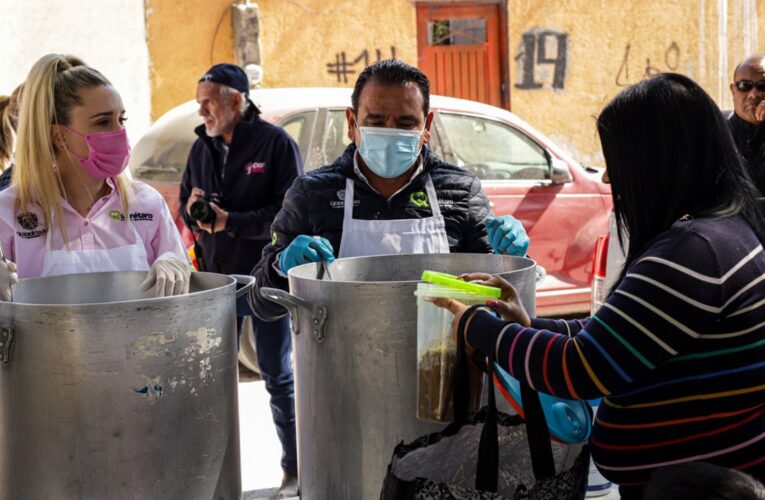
pixel 678 350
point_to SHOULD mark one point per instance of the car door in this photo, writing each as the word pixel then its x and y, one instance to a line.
pixel 560 208
pixel 301 126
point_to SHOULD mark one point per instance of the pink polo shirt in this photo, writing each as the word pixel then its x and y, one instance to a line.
pixel 23 235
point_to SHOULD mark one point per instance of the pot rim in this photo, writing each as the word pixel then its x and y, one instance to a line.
pixel 149 301
pixel 292 273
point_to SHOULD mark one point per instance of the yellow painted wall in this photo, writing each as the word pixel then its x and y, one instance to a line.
pixel 299 38
pixel 183 44
pixel 610 44
pixel 303 40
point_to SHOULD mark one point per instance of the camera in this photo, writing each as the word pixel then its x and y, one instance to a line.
pixel 201 211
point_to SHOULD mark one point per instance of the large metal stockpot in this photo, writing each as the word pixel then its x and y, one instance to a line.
pixel 355 344
pixel 108 392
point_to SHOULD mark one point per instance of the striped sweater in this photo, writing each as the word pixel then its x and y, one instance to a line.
pixel 677 351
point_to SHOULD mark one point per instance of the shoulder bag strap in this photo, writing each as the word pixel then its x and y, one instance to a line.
pixel 538 435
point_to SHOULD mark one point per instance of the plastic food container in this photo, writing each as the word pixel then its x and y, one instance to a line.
pixel 436 347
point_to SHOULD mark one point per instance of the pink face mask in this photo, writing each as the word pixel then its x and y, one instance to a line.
pixel 108 153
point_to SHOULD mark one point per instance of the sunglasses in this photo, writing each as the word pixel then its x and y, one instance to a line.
pixel 748 85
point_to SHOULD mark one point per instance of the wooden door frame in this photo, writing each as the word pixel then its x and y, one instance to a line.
pixel 504 43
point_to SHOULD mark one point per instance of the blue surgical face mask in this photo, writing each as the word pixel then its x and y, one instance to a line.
pixel 389 152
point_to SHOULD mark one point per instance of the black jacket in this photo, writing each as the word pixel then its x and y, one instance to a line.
pixel 262 163
pixel 750 141
pixel 314 206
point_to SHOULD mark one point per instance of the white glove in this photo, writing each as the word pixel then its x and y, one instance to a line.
pixel 169 275
pixel 8 277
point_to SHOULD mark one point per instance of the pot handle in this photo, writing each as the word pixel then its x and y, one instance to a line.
pixel 6 341
pixel 292 304
pixel 243 279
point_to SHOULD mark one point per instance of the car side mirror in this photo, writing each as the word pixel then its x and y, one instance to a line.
pixel 559 172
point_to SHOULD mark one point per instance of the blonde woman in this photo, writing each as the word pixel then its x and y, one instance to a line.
pixel 70 208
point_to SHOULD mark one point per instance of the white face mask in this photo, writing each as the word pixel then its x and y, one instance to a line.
pixel 389 152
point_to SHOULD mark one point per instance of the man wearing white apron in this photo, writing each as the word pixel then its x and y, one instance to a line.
pixel 387 194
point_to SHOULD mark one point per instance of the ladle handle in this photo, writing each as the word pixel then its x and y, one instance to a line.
pixel 247 282
pixel 292 304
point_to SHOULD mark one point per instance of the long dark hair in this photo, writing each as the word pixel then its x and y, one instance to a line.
pixel 669 153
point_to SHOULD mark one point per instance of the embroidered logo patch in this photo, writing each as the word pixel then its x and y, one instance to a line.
pixel 419 199
pixel 116 215
pixel 341 204
pixel 255 167
pixel 141 216
pixel 29 235
pixel 28 220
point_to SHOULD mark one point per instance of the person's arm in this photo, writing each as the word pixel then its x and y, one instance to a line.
pixel 291 221
pixel 651 317
pixel 254 224
pixel 474 238
pixel 166 240
pixel 6 238
pixel 569 327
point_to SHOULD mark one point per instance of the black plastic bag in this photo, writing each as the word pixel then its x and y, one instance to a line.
pixel 488 455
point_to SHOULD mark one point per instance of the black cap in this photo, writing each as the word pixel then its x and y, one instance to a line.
pixel 230 75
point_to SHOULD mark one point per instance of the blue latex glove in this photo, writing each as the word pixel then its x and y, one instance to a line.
pixel 506 235
pixel 304 249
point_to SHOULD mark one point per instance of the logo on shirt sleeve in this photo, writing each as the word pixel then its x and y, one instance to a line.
pixel 255 167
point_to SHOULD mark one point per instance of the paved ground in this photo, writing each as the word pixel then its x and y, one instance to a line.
pixel 260 448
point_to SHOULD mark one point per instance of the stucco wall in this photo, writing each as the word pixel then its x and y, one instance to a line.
pixel 306 42
pixel 108 34
pixel 184 38
pixel 609 45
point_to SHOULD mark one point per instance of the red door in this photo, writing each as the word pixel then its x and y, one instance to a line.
pixel 461 48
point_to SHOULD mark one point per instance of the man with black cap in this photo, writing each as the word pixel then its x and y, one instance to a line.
pixel 236 176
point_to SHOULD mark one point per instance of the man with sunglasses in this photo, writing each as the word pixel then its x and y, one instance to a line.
pixel 748 89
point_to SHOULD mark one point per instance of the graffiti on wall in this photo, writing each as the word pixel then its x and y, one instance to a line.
pixel 542 59
pixel 345 66
pixel 670 63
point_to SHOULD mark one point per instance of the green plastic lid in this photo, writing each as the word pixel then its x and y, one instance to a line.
pixel 451 281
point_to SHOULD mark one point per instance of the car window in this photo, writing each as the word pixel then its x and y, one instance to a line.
pixel 493 150
pixel 334 138
pixel 300 128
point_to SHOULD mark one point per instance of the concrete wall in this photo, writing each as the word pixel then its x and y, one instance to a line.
pixel 609 45
pixel 108 34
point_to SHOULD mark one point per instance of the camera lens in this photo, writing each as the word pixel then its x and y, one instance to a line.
pixel 201 211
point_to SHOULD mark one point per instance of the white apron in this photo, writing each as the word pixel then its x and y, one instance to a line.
pixel 363 238
pixel 125 258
